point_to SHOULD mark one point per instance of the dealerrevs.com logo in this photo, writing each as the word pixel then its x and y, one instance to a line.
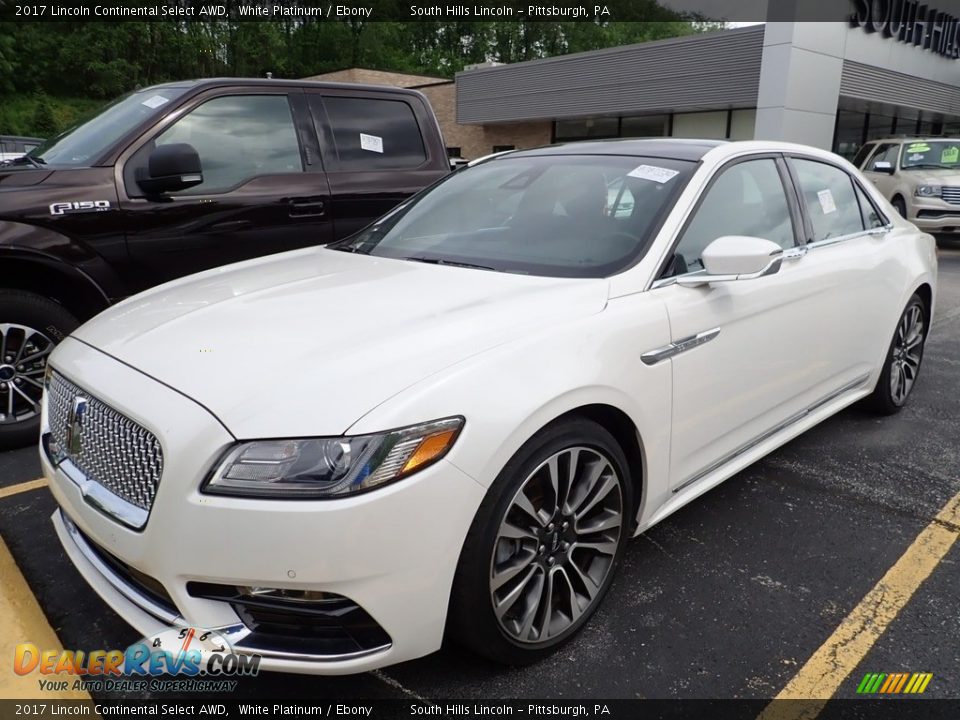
pixel 200 660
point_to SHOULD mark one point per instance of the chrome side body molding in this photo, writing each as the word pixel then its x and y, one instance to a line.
pixel 652 357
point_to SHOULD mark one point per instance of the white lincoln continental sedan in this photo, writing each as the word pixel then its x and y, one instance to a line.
pixel 451 423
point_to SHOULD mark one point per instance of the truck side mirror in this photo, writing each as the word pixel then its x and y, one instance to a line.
pixel 882 166
pixel 170 168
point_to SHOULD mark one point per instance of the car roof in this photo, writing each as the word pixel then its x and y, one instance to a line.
pixel 676 148
pixel 204 83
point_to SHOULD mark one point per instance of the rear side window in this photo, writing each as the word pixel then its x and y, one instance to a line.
pixel 372 134
pixel 871 216
pixel 828 195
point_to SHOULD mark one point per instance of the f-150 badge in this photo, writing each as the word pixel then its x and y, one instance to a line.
pixel 79 206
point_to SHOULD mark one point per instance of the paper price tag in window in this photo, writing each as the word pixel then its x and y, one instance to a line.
pixel 373 143
pixel 155 101
pixel 950 155
pixel 826 202
pixel 654 173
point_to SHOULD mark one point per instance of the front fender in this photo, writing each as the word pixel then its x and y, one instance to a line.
pixel 509 393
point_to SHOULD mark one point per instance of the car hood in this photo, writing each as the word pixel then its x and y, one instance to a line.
pixel 931 176
pixel 307 342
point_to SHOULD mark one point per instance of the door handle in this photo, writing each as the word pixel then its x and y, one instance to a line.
pixel 307 206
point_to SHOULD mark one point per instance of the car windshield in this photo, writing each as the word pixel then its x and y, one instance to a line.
pixel 929 154
pixel 553 215
pixel 82 143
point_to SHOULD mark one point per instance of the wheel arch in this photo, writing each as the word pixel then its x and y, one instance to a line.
pixel 625 432
pixel 49 277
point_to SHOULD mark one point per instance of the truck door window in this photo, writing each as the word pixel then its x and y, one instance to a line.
pixel 238 138
pixel 374 134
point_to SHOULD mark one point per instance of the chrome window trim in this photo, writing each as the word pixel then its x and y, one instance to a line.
pixel 872 232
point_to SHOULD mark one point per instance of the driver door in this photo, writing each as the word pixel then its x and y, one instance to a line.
pixel 885 182
pixel 743 375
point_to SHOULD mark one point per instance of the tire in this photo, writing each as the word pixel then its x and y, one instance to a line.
pixel 900 206
pixel 30 327
pixel 901 366
pixel 510 564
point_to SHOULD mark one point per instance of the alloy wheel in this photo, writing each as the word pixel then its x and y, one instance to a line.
pixel 907 353
pixel 23 361
pixel 556 544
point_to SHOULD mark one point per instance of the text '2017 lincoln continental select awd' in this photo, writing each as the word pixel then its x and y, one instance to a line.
pixel 452 421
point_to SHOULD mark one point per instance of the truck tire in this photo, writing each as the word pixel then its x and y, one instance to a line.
pixel 30 327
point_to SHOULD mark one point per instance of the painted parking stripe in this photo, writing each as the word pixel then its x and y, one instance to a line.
pixel 22 620
pixel 22 487
pixel 826 670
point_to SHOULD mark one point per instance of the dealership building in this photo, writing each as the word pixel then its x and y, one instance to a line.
pixel 829 84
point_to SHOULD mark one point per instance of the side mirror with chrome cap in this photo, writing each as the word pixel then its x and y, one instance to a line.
pixel 736 257
pixel 882 166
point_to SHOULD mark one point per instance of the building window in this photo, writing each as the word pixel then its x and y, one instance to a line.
pixel 587 129
pixel 503 148
pixel 707 125
pixel 645 126
pixel 453 152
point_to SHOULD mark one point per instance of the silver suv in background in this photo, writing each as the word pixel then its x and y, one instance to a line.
pixel 919 176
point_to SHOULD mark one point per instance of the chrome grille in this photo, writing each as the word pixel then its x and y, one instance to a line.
pixel 115 452
pixel 951 194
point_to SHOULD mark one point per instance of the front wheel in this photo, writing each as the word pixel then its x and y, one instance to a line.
pixel 30 327
pixel 543 547
pixel 902 364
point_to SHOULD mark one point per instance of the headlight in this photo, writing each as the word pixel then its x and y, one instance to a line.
pixel 927 191
pixel 331 467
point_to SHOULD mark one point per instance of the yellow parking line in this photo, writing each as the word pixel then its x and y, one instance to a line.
pixel 22 487
pixel 830 665
pixel 22 620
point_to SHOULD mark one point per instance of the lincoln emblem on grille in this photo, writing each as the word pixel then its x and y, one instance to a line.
pixel 75 424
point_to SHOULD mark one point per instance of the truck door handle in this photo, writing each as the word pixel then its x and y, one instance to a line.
pixel 307 206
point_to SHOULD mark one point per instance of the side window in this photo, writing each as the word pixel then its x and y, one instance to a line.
pixel 862 154
pixel 888 152
pixel 238 137
pixel 868 211
pixel 746 199
pixel 374 134
pixel 827 192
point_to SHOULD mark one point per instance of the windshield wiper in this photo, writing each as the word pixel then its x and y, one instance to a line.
pixel 453 263
pixel 934 166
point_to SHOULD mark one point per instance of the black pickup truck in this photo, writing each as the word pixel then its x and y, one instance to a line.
pixel 182 177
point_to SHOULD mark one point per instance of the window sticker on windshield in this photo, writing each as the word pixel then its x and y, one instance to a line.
pixel 826 202
pixel 950 155
pixel 916 157
pixel 654 173
pixel 155 101
pixel 373 143
pixel 918 147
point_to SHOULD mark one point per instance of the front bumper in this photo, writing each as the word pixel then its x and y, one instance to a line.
pixel 934 215
pixel 393 552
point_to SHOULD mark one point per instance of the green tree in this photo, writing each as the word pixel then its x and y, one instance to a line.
pixel 44 121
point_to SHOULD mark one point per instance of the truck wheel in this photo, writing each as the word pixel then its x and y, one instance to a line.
pixel 30 327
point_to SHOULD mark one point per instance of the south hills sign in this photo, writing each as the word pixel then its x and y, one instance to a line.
pixel 911 22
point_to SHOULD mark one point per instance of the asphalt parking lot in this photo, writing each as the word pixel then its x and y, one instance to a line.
pixel 728 598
